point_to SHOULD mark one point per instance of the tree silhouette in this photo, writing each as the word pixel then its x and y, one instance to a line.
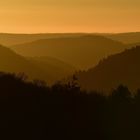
pixel 30 110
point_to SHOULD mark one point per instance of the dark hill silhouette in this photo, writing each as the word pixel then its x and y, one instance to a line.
pixel 121 68
pixel 82 52
pixel 30 111
pixel 49 71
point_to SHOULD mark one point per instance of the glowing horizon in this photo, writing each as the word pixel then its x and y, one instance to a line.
pixel 63 16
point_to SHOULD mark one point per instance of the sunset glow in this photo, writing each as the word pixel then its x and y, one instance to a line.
pixel 32 16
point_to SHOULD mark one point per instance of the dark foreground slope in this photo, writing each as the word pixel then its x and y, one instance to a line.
pixel 51 70
pixel 82 52
pixel 122 68
pixel 35 112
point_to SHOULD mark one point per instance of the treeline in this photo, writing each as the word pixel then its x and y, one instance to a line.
pixel 32 110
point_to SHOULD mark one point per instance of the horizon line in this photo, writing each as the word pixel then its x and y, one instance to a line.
pixel 26 33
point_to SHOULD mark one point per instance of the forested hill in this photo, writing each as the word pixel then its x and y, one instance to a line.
pixel 33 111
pixel 122 68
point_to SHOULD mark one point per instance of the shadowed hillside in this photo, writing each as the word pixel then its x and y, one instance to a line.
pixel 35 112
pixel 82 52
pixel 133 44
pixel 50 71
pixel 122 68
pixel 57 68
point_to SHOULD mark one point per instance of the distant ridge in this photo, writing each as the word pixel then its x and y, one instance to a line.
pixel 80 51
pixel 8 39
pixel 127 38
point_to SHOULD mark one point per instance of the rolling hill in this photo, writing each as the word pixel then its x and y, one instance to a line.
pixel 82 52
pixel 50 71
pixel 127 38
pixel 8 39
pixel 122 68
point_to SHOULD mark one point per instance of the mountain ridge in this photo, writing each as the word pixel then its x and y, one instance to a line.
pixel 82 52
pixel 122 68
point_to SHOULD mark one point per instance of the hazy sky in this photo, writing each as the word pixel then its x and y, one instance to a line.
pixel 69 15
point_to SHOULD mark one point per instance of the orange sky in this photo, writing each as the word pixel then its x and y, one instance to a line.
pixel 32 16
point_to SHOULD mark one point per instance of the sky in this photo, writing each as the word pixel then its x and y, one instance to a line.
pixel 41 16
